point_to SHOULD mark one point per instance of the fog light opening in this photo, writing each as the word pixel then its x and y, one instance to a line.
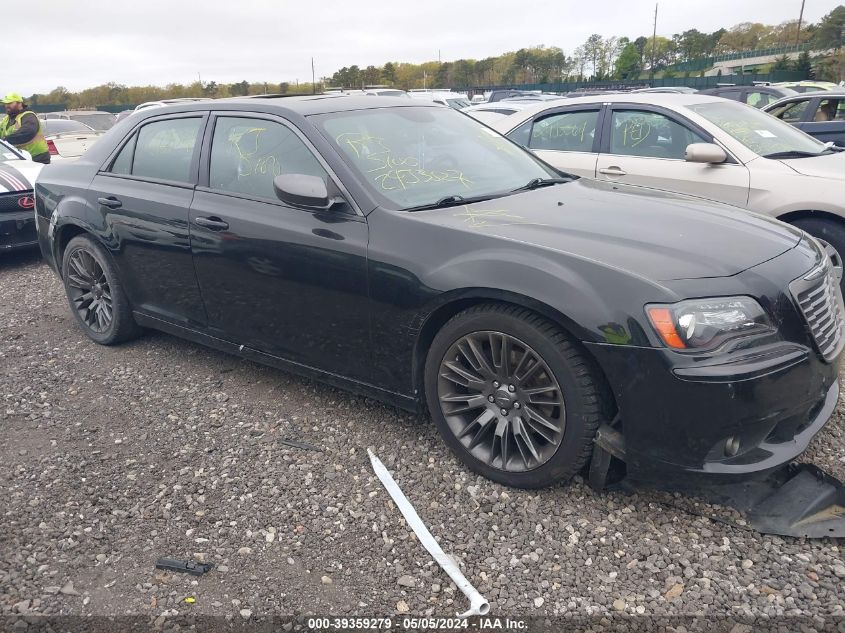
pixel 732 446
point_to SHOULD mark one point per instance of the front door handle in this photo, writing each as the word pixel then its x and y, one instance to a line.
pixel 613 171
pixel 111 202
pixel 213 223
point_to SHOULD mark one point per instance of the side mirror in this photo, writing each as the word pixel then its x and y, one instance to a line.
pixel 302 190
pixel 705 153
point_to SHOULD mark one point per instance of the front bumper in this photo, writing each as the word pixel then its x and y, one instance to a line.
pixel 17 230
pixel 752 411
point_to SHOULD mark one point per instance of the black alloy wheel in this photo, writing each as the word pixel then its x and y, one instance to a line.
pixel 95 293
pixel 501 401
pixel 89 291
pixel 514 396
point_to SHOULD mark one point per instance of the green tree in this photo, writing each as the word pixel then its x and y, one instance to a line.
pixel 830 30
pixel 239 89
pixel 628 64
pixel 389 72
pixel 782 63
pixel 803 64
pixel 211 89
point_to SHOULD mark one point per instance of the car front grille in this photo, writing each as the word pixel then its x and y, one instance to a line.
pixel 821 304
pixel 16 201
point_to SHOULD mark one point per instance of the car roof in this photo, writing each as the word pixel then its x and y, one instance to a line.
pixel 79 112
pixel 645 98
pixel 806 96
pixel 304 105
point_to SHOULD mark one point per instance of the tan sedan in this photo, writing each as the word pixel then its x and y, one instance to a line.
pixel 699 145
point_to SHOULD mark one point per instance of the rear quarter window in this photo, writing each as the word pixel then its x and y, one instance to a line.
pixel 164 149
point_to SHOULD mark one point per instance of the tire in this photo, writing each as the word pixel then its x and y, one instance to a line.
pixel 564 375
pixel 831 233
pixel 102 311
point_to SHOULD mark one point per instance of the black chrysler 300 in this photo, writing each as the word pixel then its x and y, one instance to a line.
pixel 407 252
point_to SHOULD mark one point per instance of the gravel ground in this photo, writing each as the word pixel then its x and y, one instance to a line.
pixel 114 457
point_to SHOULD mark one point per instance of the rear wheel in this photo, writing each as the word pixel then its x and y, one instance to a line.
pixel 513 396
pixel 95 293
pixel 831 234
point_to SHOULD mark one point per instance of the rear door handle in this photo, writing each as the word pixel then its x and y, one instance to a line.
pixel 213 223
pixel 613 171
pixel 111 202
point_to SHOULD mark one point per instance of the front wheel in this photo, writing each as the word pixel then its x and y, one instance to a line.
pixel 95 293
pixel 513 396
pixel 831 235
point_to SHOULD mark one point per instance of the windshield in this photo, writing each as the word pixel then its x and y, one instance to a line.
pixel 63 126
pixel 758 131
pixel 98 121
pixel 414 156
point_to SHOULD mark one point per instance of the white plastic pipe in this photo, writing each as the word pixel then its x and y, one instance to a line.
pixel 478 605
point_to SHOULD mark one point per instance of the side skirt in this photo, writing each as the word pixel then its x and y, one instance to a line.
pixel 406 403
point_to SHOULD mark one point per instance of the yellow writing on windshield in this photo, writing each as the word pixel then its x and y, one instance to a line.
pixel 393 172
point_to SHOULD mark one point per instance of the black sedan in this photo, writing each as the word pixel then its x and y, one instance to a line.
pixel 820 114
pixel 406 252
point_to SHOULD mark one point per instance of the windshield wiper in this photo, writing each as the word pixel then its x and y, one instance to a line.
pixel 796 153
pixel 536 183
pixel 453 201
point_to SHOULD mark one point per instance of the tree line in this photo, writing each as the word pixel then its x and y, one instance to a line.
pixel 598 58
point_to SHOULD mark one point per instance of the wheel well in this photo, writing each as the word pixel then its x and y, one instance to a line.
pixel 441 315
pixel 66 234
pixel 790 217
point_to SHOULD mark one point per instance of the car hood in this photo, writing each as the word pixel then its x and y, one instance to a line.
pixel 830 166
pixel 18 175
pixel 658 235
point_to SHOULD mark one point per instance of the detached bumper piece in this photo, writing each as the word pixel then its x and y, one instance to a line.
pixel 798 500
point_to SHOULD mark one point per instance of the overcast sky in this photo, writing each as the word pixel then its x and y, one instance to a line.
pixel 83 43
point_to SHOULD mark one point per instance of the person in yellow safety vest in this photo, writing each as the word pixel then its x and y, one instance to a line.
pixel 23 129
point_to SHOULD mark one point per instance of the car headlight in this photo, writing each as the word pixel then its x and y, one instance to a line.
pixel 705 324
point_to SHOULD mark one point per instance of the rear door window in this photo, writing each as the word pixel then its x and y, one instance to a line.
pixel 830 110
pixel 572 131
pixel 164 149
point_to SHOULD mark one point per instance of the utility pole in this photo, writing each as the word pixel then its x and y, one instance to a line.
pixel 800 20
pixel 653 44
pixel 313 78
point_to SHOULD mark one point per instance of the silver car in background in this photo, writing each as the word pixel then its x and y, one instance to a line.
pixel 695 144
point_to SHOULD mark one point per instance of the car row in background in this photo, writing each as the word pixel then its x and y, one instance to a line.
pixel 17 201
pixel 808 85
pixel 820 114
pixel 754 95
pixel 67 138
pixel 95 119
pixel 700 145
